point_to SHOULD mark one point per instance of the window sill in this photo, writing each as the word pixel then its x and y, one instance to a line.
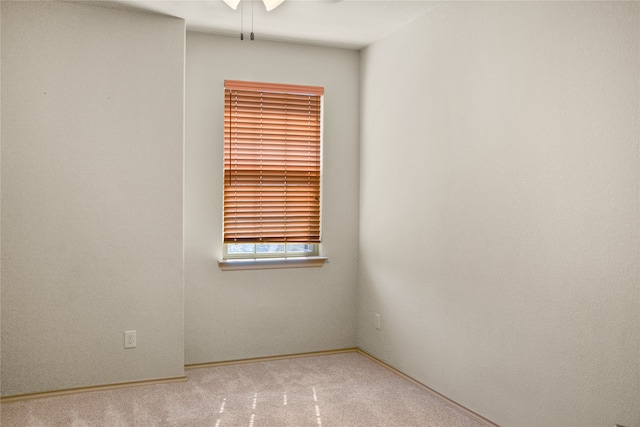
pixel 268 263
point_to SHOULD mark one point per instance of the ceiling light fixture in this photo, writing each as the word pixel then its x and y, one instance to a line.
pixel 269 4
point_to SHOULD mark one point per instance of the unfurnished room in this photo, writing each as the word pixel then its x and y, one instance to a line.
pixel 320 213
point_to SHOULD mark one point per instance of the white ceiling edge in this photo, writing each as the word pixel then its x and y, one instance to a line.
pixel 350 24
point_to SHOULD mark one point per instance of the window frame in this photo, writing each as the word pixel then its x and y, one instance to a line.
pixel 315 251
pixel 278 259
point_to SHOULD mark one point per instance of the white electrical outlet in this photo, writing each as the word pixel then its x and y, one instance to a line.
pixel 129 339
pixel 377 321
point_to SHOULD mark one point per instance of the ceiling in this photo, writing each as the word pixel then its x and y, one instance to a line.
pixel 351 24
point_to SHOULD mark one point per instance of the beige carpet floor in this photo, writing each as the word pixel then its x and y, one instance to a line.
pixel 342 390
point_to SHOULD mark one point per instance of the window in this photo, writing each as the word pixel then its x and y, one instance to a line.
pixel 272 170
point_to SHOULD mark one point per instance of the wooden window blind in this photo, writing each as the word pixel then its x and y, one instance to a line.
pixel 272 164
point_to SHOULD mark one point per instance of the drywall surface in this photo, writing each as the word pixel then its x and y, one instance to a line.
pixel 92 147
pixel 241 314
pixel 499 209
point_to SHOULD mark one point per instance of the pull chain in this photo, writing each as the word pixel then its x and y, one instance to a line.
pixel 242 21
pixel 252 38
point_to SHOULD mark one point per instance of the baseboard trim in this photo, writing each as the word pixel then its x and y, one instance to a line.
pixel 270 358
pixel 62 392
pixel 468 412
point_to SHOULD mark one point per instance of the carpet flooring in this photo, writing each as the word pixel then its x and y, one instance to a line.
pixel 344 390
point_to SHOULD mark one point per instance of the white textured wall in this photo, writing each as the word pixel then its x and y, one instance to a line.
pixel 499 209
pixel 92 147
pixel 243 314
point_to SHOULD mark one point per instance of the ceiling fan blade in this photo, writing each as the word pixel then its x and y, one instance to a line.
pixel 233 4
pixel 271 4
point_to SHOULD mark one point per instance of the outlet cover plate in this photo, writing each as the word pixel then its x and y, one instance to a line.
pixel 129 339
